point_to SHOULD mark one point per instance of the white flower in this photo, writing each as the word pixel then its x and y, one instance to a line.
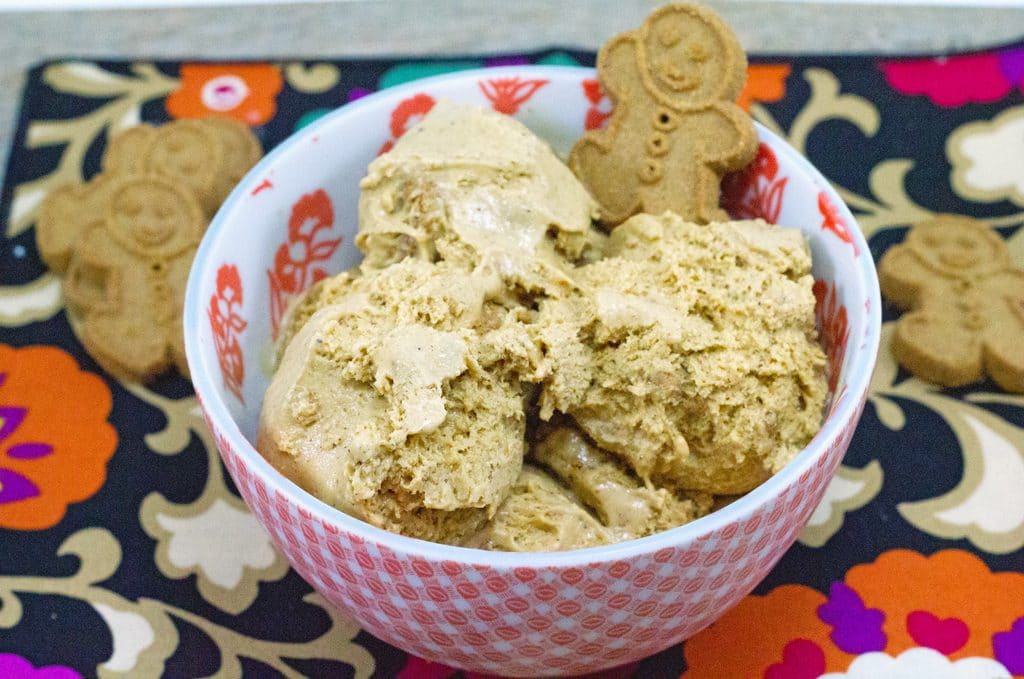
pixel 988 158
pixel 917 663
pixel 221 542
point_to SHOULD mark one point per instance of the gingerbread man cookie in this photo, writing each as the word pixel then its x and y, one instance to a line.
pixel 966 302
pixel 675 129
pixel 124 240
pixel 126 277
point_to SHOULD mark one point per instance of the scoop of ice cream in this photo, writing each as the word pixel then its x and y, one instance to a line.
pixel 690 351
pixel 541 515
pixel 471 186
pixel 626 506
pixel 389 401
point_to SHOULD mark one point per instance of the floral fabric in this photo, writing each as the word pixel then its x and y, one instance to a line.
pixel 126 551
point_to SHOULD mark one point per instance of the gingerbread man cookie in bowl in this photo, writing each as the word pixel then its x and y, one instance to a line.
pixel 675 129
pixel 966 302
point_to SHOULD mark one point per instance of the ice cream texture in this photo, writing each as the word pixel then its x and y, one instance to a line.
pixel 477 188
pixel 691 351
pixel 674 361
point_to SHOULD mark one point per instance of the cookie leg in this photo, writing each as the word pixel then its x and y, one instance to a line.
pixel 708 197
pixel 1004 353
pixel 607 176
pixel 129 348
pixel 940 348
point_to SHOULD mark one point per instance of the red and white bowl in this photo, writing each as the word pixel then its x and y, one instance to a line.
pixel 292 220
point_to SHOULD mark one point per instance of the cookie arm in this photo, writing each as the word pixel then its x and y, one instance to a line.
pixel 56 231
pixel 1004 359
pixel 618 66
pixel 599 159
pixel 903 277
pixel 939 345
pixel 91 283
pixel 728 139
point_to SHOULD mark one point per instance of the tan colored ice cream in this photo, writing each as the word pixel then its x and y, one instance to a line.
pixel 471 186
pixel 691 351
pixel 388 403
pixel 541 515
pixel 625 505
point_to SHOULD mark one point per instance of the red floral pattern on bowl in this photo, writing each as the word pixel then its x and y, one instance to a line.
pixel 299 261
pixel 226 324
pixel 756 192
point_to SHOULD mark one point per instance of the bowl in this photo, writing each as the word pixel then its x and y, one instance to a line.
pixel 513 614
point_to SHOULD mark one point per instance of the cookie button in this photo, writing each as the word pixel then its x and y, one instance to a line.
pixel 651 171
pixel 973 321
pixel 657 144
pixel 665 119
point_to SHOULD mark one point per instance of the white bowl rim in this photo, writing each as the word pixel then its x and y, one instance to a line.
pixel 203 372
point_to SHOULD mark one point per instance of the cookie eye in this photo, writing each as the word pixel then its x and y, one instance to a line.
pixel 965 243
pixel 669 36
pixel 934 241
pixel 697 52
pixel 131 207
pixel 164 211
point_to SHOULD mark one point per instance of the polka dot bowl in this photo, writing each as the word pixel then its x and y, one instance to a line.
pixel 292 220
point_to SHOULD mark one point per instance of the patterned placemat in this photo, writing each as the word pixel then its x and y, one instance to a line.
pixel 125 550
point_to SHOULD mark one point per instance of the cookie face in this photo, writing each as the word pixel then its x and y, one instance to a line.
pixel 187 152
pixel 123 154
pixel 681 48
pixel 153 217
pixel 124 241
pixel 689 57
pixel 958 248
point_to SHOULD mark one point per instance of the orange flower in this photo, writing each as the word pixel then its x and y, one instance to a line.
pixel 754 636
pixel 949 585
pixel 949 602
pixel 765 82
pixel 55 440
pixel 245 92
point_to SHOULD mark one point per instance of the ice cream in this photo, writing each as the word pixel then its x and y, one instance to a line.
pixel 690 351
pixel 388 403
pixel 647 371
pixel 624 504
pixel 541 515
pixel 477 188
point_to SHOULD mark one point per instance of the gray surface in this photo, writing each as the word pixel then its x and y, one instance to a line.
pixel 422 27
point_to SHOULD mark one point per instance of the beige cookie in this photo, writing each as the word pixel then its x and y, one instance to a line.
pixel 242 150
pixel 126 277
pixel 123 154
pixel 189 153
pixel 675 129
pixel 966 302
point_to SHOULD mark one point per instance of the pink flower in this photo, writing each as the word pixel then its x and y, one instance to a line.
pixel 955 81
